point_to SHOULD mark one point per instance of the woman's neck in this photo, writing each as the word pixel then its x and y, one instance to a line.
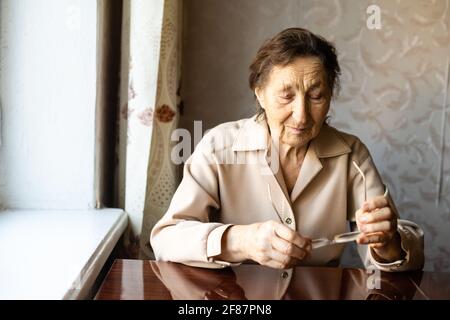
pixel 292 154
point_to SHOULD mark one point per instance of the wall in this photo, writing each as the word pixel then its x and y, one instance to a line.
pixel 393 87
pixel 48 78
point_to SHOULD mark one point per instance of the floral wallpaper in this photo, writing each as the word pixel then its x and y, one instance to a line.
pixel 394 96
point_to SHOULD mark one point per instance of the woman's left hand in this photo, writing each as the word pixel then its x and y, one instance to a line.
pixel 378 224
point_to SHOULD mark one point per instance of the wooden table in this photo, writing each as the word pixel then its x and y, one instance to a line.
pixel 141 279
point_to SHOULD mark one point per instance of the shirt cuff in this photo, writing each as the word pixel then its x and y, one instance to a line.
pixel 214 241
pixel 396 265
pixel 214 246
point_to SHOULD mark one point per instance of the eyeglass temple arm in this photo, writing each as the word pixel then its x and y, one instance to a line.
pixel 363 177
pixel 364 180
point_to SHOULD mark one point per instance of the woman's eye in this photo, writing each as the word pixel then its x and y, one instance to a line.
pixel 315 96
pixel 286 97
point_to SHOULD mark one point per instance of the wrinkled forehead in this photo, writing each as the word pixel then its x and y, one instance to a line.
pixel 300 74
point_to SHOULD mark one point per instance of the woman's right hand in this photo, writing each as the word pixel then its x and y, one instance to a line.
pixel 268 243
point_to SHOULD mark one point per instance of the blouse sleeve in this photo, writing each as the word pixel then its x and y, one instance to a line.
pixel 412 238
pixel 185 233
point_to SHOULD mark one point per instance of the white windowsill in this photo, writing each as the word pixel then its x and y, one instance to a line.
pixel 55 254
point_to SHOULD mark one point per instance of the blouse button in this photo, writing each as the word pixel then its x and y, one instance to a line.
pixel 284 274
pixel 288 220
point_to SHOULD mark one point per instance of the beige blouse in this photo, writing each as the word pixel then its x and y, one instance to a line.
pixel 231 179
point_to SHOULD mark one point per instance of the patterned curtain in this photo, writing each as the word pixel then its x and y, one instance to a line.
pixel 150 72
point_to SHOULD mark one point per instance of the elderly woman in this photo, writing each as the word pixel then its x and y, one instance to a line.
pixel 261 189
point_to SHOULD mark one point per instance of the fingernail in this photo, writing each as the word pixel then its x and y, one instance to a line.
pixel 363 218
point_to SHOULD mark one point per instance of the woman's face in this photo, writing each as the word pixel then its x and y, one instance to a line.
pixel 296 99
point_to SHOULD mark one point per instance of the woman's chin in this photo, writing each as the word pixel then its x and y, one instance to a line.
pixel 297 141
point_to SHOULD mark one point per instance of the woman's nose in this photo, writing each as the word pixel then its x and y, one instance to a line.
pixel 300 111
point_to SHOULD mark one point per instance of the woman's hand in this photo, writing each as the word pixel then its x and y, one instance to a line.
pixel 268 243
pixel 378 225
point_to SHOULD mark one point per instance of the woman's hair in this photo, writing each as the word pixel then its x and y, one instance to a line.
pixel 284 48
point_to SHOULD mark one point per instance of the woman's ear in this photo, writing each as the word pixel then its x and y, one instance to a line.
pixel 258 95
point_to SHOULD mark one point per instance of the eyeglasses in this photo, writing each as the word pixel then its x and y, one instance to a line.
pixel 348 236
pixel 340 238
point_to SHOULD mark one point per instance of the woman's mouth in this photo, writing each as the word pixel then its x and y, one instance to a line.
pixel 298 130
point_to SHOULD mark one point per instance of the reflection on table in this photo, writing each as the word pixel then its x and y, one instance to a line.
pixel 137 279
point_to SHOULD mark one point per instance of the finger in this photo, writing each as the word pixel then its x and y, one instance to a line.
pixel 291 236
pixel 281 258
pixel 374 203
pixel 383 226
pixel 280 261
pixel 359 213
pixel 376 216
pixel 374 238
pixel 378 245
pixel 288 248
